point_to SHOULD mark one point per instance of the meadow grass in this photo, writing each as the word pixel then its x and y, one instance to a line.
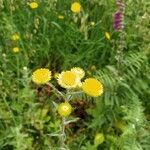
pixel 28 116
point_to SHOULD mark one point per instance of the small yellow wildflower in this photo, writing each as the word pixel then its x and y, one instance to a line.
pixel 33 5
pixel 68 79
pixel 41 76
pixel 92 87
pixel 61 17
pixel 16 49
pixel 99 139
pixel 107 35
pixel 79 71
pixel 75 7
pixel 64 109
pixel 93 67
pixel 15 37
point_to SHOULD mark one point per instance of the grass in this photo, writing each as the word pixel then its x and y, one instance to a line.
pixel 28 114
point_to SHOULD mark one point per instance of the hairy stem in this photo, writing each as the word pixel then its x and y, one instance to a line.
pixel 60 94
pixel 63 136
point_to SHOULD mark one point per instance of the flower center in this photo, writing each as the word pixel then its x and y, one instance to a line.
pixel 69 78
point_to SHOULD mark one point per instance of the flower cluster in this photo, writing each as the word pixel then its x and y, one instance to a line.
pixel 118 16
pixel 70 79
pixel 15 37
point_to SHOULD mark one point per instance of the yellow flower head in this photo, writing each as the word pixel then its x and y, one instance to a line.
pixel 107 35
pixel 68 79
pixel 33 5
pixel 99 139
pixel 41 76
pixel 64 109
pixel 79 71
pixel 93 67
pixel 92 87
pixel 61 17
pixel 16 49
pixel 75 7
pixel 15 37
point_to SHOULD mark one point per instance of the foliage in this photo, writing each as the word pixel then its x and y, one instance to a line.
pixel 28 116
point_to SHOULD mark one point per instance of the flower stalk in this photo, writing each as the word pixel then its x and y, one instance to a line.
pixel 118 25
pixel 62 135
pixel 56 91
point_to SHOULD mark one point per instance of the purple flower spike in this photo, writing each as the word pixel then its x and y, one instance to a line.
pixel 118 16
pixel 117 22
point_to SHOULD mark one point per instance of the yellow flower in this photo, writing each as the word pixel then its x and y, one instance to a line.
pixel 64 109
pixel 15 37
pixel 93 67
pixel 79 71
pixel 92 87
pixel 99 139
pixel 68 79
pixel 33 5
pixel 16 49
pixel 61 17
pixel 107 35
pixel 41 76
pixel 75 7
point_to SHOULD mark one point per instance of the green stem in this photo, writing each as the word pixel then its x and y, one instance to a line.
pixel 18 76
pixel 57 91
pixel 62 135
pixel 12 116
pixel 73 93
